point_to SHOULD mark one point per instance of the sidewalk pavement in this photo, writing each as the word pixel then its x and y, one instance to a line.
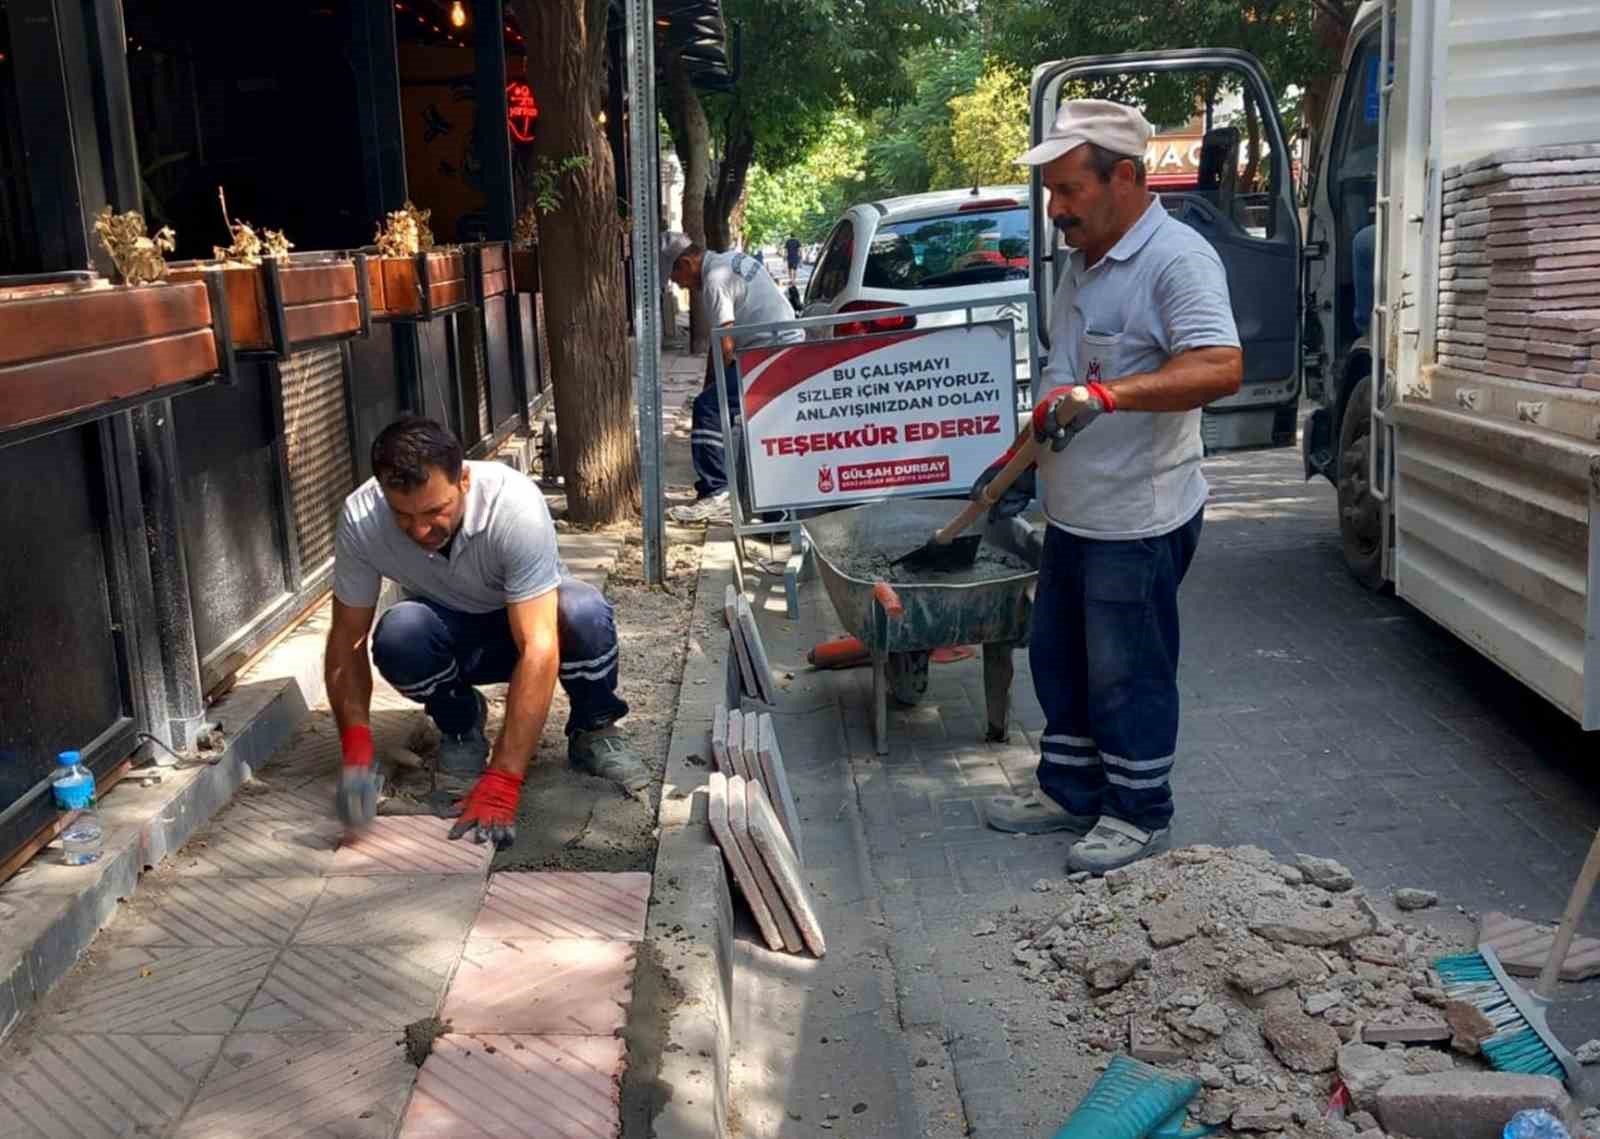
pixel 1317 718
pixel 260 982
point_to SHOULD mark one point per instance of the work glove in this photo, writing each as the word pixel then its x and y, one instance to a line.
pixel 356 798
pixel 1015 498
pixel 1045 426
pixel 489 810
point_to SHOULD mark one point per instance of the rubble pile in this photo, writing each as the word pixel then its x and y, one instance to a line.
pixel 1268 982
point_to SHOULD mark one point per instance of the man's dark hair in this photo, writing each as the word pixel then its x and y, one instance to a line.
pixel 1103 162
pixel 404 450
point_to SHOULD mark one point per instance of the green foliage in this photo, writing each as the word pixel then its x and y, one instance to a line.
pixel 547 177
pixel 805 198
pixel 910 149
pixel 989 127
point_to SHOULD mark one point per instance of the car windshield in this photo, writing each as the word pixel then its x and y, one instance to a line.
pixel 953 249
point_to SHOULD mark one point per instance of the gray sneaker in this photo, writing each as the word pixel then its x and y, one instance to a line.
pixel 463 757
pixel 604 753
pixel 1033 813
pixel 1114 843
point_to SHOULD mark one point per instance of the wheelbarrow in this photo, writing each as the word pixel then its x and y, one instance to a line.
pixel 902 623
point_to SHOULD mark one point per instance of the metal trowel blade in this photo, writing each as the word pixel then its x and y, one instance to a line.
pixel 957 554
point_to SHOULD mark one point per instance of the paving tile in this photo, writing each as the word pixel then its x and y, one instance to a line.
pixel 90 1086
pixel 162 989
pixel 243 844
pixel 529 1087
pixel 333 1086
pixel 351 989
pixel 219 912
pixel 1523 947
pixel 558 904
pixel 411 844
pixel 774 849
pixel 739 868
pixel 392 910
pixel 577 987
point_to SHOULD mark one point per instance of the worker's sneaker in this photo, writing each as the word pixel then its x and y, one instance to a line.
pixel 1114 843
pixel 462 758
pixel 604 753
pixel 710 509
pixel 1033 813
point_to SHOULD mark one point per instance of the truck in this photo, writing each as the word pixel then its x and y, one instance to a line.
pixel 1472 496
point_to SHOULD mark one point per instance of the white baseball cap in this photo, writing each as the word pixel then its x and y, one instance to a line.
pixel 1116 127
pixel 673 246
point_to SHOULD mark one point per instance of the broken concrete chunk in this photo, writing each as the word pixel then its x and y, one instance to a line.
pixel 1110 969
pixel 1365 1070
pixel 1212 1076
pixel 1256 1114
pixel 1424 1061
pixel 1313 926
pixel 1318 1003
pixel 1170 924
pixel 1252 856
pixel 1379 950
pixel 1216 1107
pixel 1299 1042
pixel 1148 1043
pixel 1211 1019
pixel 1468 1025
pixel 1291 875
pixel 985 929
pixel 1258 975
pixel 1325 872
pixel 1413 1025
pixel 1588 1052
pixel 1407 898
pixel 1467 1105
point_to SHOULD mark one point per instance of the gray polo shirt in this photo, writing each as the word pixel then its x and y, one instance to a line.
pixel 505 550
pixel 737 289
pixel 1160 291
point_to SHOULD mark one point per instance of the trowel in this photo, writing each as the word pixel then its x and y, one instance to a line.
pixel 949 550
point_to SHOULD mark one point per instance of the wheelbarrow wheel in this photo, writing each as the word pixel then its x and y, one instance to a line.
pixel 908 677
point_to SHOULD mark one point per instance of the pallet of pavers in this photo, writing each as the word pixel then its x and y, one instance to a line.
pixel 1519 266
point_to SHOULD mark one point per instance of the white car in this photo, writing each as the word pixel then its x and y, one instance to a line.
pixel 949 245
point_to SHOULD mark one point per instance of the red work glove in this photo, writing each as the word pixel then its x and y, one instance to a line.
pixel 1045 426
pixel 356 799
pixel 490 809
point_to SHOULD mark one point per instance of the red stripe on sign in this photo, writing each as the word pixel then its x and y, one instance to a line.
pixel 794 364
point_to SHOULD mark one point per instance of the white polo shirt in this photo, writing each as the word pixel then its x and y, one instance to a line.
pixel 737 289
pixel 1160 291
pixel 504 551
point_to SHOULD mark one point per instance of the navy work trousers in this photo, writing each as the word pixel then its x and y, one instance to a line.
pixel 1104 652
pixel 706 449
pixel 435 655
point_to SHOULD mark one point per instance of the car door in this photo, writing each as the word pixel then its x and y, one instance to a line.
pixel 832 273
pixel 1240 198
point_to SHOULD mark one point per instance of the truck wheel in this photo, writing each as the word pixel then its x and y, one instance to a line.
pixel 1360 514
pixel 908 677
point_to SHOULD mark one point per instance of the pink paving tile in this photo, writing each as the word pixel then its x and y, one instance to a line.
pixel 577 987
pixel 558 904
pixel 410 844
pixel 517 1087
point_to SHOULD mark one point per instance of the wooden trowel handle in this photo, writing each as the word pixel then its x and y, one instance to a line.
pixel 1024 451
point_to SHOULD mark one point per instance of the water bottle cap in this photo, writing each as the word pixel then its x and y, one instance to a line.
pixel 68 758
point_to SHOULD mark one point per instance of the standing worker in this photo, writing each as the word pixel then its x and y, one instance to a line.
pixel 1142 320
pixel 735 289
pixel 489 602
pixel 791 253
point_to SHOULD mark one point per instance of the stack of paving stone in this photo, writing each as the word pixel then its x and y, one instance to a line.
pixel 1519 266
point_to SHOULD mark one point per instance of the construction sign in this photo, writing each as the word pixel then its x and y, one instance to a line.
pixel 919 412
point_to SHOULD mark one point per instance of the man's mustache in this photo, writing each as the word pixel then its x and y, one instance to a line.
pixel 1067 222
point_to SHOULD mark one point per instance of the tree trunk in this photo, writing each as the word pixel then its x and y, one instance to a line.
pixel 1252 161
pixel 1331 29
pixel 582 270
pixel 691 138
pixel 729 185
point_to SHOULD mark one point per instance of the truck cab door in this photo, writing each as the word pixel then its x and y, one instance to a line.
pixel 1220 163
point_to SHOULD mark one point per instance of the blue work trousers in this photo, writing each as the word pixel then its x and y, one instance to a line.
pixel 435 655
pixel 706 448
pixel 1104 652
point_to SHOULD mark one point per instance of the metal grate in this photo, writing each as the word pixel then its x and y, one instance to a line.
pixel 317 439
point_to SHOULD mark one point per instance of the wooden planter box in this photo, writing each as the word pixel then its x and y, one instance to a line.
pixel 287 303
pixel 490 265
pixel 525 269
pixel 417 288
pixel 73 350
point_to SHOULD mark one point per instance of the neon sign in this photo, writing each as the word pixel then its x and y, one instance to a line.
pixel 521 110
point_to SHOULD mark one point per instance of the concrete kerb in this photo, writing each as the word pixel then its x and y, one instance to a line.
pixel 681 1031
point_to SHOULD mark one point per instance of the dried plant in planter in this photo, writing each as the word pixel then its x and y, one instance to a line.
pixel 136 254
pixel 249 247
pixel 405 233
pixel 525 232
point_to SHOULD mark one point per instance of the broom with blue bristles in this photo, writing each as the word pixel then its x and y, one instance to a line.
pixel 1523 1041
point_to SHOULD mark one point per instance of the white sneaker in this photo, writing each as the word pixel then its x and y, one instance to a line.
pixel 712 508
pixel 1113 843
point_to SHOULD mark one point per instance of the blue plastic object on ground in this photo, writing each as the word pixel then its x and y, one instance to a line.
pixel 1535 1124
pixel 1133 1100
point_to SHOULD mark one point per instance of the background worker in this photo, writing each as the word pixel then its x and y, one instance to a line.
pixel 1143 321
pixel 791 254
pixel 735 288
pixel 490 602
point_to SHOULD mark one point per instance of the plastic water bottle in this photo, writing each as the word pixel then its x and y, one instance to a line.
pixel 73 787
pixel 1535 1124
